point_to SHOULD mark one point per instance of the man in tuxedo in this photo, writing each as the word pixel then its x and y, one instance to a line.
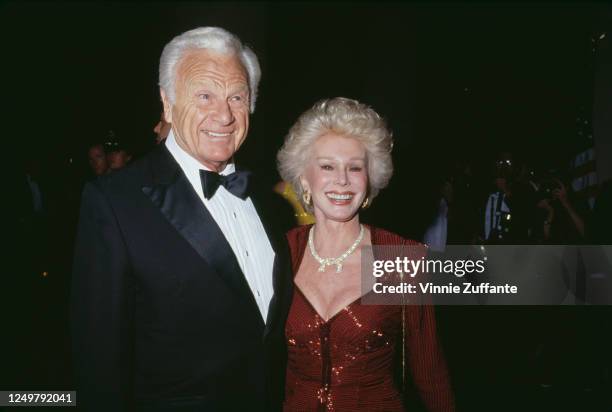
pixel 181 285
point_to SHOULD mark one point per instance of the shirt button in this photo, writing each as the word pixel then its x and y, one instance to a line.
pixel 235 217
pixel 247 252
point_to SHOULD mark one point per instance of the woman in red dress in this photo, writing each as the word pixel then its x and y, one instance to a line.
pixel 344 356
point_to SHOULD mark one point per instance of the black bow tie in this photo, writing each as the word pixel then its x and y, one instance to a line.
pixel 236 183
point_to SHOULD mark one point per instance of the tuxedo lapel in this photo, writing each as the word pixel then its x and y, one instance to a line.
pixel 172 193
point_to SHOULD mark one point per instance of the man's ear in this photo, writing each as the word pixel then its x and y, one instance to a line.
pixel 167 106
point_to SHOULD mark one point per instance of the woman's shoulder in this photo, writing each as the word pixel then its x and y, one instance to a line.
pixel 297 234
pixel 298 230
pixel 297 238
pixel 382 236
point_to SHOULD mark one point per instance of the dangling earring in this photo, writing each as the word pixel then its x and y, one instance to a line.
pixel 365 203
pixel 306 198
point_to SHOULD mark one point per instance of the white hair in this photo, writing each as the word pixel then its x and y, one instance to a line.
pixel 344 117
pixel 211 38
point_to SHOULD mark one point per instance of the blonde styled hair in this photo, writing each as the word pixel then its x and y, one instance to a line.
pixel 345 117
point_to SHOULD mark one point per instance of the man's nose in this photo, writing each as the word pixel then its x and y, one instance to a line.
pixel 223 113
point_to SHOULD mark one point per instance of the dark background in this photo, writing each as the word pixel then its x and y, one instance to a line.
pixel 456 81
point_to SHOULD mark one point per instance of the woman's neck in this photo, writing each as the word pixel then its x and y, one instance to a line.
pixel 332 238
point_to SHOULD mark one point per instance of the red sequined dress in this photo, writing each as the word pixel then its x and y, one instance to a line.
pixel 348 363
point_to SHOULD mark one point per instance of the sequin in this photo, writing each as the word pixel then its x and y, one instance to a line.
pixel 329 362
pixel 349 361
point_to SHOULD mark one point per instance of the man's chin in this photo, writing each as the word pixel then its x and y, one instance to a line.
pixel 216 163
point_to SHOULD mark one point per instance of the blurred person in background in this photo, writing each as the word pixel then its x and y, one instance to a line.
pixel 301 216
pixel 117 154
pixel 161 129
pixel 458 210
pixel 467 206
pixel 563 218
pixel 436 235
pixel 97 159
pixel 569 351
pixel 510 206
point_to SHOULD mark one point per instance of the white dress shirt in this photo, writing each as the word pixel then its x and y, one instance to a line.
pixel 240 224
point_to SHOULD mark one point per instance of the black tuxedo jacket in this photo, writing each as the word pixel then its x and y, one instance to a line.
pixel 162 316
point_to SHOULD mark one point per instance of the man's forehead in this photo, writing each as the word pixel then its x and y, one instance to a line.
pixel 205 61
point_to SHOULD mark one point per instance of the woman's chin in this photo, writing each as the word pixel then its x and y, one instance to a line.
pixel 342 215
